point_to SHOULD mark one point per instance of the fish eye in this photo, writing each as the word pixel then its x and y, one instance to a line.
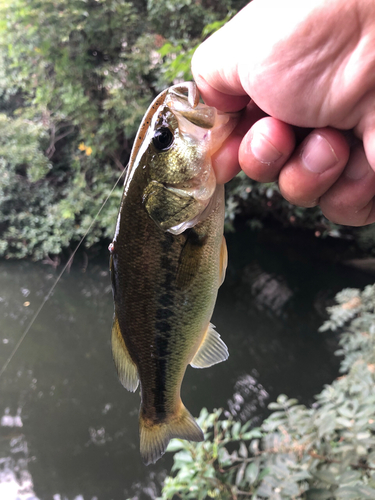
pixel 163 139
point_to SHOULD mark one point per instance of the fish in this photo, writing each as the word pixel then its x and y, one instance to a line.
pixel 168 259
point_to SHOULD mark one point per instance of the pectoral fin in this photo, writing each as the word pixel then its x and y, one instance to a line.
pixel 189 258
pixel 126 368
pixel 223 260
pixel 211 351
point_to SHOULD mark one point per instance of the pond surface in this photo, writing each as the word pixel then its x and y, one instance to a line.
pixel 68 428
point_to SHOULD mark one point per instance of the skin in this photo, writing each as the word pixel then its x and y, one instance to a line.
pixel 309 68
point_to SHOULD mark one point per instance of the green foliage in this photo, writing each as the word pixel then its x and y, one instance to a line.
pixel 260 202
pixel 75 80
pixel 325 452
pixel 177 53
pixel 34 219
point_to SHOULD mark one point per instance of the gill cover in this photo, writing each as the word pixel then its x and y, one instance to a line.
pixel 182 136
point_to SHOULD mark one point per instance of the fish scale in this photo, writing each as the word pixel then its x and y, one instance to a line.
pixel 168 259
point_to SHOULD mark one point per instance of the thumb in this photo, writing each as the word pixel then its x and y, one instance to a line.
pixel 215 70
pixel 226 65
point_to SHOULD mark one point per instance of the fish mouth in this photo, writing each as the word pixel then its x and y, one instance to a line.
pixel 184 101
pixel 187 91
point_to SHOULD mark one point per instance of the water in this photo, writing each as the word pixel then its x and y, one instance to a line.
pixel 68 430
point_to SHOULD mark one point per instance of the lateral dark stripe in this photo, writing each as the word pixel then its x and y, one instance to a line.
pixel 163 327
pixel 166 299
pixel 164 313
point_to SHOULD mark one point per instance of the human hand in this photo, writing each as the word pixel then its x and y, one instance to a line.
pixel 306 65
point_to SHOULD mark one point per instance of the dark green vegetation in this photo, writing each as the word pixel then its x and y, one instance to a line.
pixel 75 80
pixel 325 452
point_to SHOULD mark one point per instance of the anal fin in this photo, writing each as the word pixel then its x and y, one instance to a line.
pixel 211 351
pixel 126 368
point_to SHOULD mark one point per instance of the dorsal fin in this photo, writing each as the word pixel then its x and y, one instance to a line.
pixel 126 368
pixel 211 351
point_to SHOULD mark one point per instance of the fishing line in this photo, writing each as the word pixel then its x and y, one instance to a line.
pixel 5 366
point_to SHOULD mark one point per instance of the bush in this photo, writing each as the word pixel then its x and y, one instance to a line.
pixel 76 78
pixel 321 453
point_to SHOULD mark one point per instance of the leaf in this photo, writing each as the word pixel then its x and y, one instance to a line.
pixel 211 28
pixel 318 494
pixel 325 476
pixel 254 433
pixel 345 422
pixel 224 457
pixel 242 452
pixel 347 493
pixel 252 471
pixel 346 412
pixel 240 474
pixel 282 399
pixel 349 476
pixel 275 406
pixel 366 492
pixel 363 435
pixel 181 458
pixel 175 444
pixel 264 473
pixel 236 430
pixel 327 424
pixel 292 402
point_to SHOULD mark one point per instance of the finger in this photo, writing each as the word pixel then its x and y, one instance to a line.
pixel 265 149
pixel 314 167
pixel 369 144
pixel 350 201
pixel 225 161
pixel 240 58
pixel 220 100
pixel 213 67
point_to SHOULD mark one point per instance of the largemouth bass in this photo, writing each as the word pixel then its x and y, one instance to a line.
pixel 168 259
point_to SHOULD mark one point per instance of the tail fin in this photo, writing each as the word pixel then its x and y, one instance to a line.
pixel 155 437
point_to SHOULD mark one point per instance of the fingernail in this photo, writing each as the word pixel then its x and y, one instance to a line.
pixel 263 150
pixel 318 155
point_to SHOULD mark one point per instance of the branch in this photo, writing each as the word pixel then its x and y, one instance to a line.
pixel 51 148
pixel 117 161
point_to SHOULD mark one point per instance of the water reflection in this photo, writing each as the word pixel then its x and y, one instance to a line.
pixel 16 482
pixel 270 292
pixel 79 434
pixel 248 400
pixel 8 420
